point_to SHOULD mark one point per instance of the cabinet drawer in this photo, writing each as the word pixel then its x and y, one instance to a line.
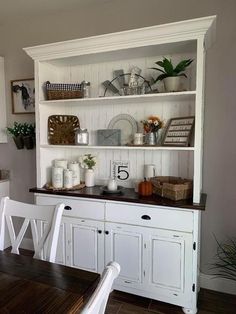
pixel 158 217
pixel 76 207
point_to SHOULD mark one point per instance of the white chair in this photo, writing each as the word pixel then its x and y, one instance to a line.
pixel 51 215
pixel 98 301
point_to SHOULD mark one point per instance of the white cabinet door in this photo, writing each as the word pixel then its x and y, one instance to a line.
pixel 168 264
pixel 85 244
pixel 124 244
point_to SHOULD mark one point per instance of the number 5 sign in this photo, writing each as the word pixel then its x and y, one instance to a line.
pixel 120 169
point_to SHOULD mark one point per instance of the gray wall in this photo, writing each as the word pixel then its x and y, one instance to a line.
pixel 220 111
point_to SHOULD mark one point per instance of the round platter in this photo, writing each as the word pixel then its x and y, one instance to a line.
pixel 106 191
pixel 128 126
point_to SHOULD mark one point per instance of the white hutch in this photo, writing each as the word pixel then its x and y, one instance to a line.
pixel 156 244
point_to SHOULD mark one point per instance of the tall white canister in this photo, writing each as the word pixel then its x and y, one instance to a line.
pixel 74 167
pixel 57 177
pixel 68 179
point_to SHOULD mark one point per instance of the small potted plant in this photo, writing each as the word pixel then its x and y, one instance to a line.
pixel 15 132
pixel 88 162
pixel 28 133
pixel 171 74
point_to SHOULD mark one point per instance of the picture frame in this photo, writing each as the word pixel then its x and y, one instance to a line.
pixel 23 96
pixel 179 131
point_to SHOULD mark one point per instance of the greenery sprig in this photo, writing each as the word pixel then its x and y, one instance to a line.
pixel 87 161
pixel 225 264
pixel 23 129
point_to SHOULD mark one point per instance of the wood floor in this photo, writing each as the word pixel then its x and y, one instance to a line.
pixel 208 302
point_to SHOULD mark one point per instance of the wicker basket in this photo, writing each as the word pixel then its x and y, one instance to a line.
pixel 173 188
pixel 61 129
pixel 63 91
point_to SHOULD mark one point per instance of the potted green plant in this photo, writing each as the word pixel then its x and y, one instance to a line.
pixel 28 134
pixel 225 263
pixel 171 74
pixel 15 132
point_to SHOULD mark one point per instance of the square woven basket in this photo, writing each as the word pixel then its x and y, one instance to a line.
pixel 56 91
pixel 173 188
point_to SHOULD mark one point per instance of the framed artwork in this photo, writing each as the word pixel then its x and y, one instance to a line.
pixel 23 96
pixel 179 132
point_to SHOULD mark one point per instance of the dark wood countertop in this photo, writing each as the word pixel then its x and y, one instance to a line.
pixel 128 195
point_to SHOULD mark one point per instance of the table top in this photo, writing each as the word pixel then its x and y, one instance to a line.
pixel 128 195
pixel 30 286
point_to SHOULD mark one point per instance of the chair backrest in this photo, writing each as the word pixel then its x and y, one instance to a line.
pixel 97 302
pixel 51 215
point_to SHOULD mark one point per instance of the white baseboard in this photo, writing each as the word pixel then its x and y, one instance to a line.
pixel 217 284
pixel 206 281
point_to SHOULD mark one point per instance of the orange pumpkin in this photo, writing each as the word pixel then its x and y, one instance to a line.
pixel 145 188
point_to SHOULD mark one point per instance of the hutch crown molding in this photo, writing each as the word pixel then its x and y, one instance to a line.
pixel 157 245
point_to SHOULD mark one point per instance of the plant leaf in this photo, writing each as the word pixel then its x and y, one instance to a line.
pixel 168 67
pixel 182 65
pixel 160 63
pixel 182 74
pixel 161 77
pixel 158 69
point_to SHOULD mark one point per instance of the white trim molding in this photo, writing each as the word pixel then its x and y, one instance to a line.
pixel 217 284
pixel 153 35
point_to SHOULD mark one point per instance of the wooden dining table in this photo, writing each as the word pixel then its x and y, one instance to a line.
pixel 31 286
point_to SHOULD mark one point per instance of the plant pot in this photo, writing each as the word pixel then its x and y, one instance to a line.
pixel 28 142
pixel 19 141
pixel 172 84
pixel 89 177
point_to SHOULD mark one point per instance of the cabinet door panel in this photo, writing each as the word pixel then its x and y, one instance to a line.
pixel 170 271
pixel 125 246
pixel 86 245
pixel 167 271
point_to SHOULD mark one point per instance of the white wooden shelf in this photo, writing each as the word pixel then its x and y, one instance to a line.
pixel 181 96
pixel 171 148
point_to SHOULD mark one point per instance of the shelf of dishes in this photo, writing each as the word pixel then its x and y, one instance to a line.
pixel 182 96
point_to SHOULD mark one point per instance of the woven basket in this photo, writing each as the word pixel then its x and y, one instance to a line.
pixel 61 129
pixel 173 188
pixel 56 91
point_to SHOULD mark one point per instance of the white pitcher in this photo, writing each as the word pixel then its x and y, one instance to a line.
pixel 149 171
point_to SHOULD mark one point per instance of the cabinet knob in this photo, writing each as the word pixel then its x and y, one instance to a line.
pixel 67 208
pixel 146 217
pixel 99 231
pixel 106 232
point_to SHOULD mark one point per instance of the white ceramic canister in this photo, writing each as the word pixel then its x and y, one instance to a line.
pixel 57 177
pixel 74 167
pixel 112 184
pixel 68 178
pixel 60 163
pixel 89 177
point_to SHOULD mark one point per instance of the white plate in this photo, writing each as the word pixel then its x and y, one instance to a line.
pixel 128 126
